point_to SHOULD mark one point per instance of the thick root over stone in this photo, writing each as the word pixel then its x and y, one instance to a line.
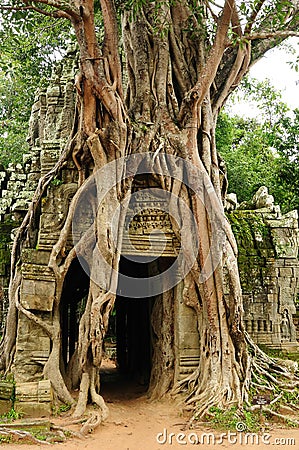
pixel 266 375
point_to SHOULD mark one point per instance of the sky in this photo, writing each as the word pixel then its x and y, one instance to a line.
pixel 275 66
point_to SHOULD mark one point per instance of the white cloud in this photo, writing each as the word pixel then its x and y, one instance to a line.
pixel 275 66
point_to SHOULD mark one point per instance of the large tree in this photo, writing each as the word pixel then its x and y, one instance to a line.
pixel 182 60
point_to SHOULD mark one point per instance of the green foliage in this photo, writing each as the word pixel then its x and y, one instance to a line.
pixel 132 5
pixel 5 439
pixel 228 419
pixel 267 99
pixel 30 43
pixel 291 397
pixel 61 409
pixel 277 353
pixel 251 420
pixel 11 416
pixel 249 159
pixel 56 182
pixel 262 151
pixel 39 436
pixel 286 143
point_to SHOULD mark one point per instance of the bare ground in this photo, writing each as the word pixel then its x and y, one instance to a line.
pixel 135 423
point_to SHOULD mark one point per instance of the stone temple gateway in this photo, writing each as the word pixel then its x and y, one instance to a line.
pixel 268 261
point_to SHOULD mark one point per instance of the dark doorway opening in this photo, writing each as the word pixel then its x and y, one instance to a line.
pixel 130 339
pixel 128 342
pixel 133 327
pixel 73 302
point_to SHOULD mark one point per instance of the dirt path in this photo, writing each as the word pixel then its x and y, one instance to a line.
pixel 135 423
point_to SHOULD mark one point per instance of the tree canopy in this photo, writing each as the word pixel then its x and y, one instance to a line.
pixel 263 150
pixel 30 45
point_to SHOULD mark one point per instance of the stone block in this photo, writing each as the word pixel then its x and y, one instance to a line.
pixel 270 271
pixel 5 407
pixel 41 426
pixel 286 242
pixel 20 205
pixel 33 409
pixel 25 194
pixel 22 177
pixel 286 301
pixel 270 309
pixel 49 155
pixel 284 283
pixel 33 256
pixel 37 295
pixel 291 262
pixel 33 177
pixel 257 309
pixel 279 262
pixel 34 399
pixel 6 390
pixel 189 340
pixel 272 298
pixel 286 272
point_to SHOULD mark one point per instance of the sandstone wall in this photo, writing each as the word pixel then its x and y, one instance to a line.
pixel 269 269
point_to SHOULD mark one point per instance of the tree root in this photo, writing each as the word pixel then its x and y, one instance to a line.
pixel 88 385
pixel 99 401
pixel 88 425
pixel 83 395
pixel 67 431
pixel 265 375
pixel 91 424
pixel 270 411
pixel 20 435
pixel 281 416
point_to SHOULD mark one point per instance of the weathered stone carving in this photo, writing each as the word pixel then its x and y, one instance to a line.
pixel 262 199
pixel 34 399
pixel 231 202
pixel 148 228
pixel 269 270
pixel 49 127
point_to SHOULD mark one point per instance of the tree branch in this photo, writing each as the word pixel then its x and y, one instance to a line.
pixel 47 328
pixel 213 15
pixel 236 21
pixel 111 43
pixel 238 69
pixel 253 16
pixel 56 14
pixel 63 9
pixel 271 34
pixel 199 91
pixel 64 5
